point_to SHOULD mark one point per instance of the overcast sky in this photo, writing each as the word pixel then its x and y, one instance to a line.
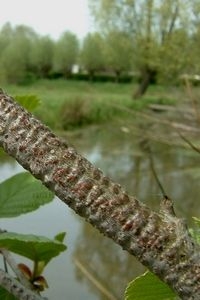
pixel 50 17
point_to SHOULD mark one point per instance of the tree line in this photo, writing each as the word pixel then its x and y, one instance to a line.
pixel 24 54
pixel 156 40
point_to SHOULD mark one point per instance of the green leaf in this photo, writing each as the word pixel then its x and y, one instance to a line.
pixel 60 237
pixel 36 248
pixel 148 287
pixel 195 233
pixel 197 220
pixel 5 295
pixel 30 102
pixel 21 194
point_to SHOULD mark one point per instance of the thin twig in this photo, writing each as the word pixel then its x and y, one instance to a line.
pixel 195 148
pixel 145 145
pixel 7 257
pixel 10 260
pixel 18 290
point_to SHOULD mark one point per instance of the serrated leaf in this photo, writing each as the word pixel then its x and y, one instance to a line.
pixel 5 295
pixel 148 287
pixel 60 237
pixel 30 102
pixel 36 248
pixel 21 194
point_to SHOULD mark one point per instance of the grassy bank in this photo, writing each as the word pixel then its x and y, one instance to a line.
pixel 69 104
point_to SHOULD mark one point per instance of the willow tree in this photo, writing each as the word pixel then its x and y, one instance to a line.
pixel 117 51
pixel 15 46
pixel 153 27
pixel 41 55
pixel 66 53
pixel 92 45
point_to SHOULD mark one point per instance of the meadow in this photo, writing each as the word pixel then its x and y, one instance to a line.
pixel 67 104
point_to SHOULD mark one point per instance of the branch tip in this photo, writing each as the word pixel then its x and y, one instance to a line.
pixel 166 206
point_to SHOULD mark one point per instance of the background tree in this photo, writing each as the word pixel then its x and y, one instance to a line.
pixel 42 56
pixel 92 57
pixel 66 53
pixel 6 35
pixel 174 58
pixel 118 52
pixel 151 25
pixel 15 56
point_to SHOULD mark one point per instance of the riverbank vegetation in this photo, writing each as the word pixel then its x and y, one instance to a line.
pixel 95 80
pixel 67 104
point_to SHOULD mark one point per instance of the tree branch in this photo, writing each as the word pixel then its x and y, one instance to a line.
pixel 173 20
pixel 146 148
pixel 18 290
pixel 192 146
pixel 160 241
pixel 10 260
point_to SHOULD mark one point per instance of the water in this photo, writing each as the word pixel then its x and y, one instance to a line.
pixel 93 267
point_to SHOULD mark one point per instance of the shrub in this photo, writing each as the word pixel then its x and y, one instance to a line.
pixel 75 112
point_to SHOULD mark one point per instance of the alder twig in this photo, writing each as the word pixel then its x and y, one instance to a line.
pixel 10 260
pixel 146 147
pixel 18 290
pixel 160 241
pixel 166 204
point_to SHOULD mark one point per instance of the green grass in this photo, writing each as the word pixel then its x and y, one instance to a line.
pixel 68 104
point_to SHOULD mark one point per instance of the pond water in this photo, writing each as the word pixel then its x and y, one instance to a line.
pixel 93 267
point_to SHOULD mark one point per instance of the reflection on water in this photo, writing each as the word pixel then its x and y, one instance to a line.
pixel 105 268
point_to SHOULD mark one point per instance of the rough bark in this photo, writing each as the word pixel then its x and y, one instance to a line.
pixel 159 240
